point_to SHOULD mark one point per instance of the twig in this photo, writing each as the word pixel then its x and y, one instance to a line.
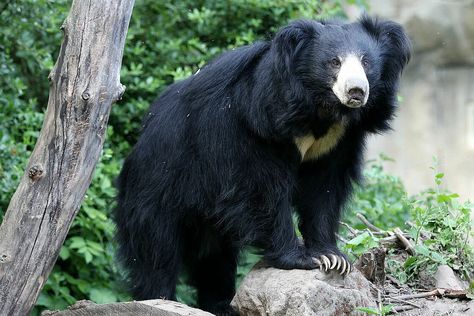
pixel 341 238
pixel 368 224
pixel 408 247
pixel 462 294
pixel 353 231
pixel 403 308
pixel 453 293
pixel 417 295
pixel 393 280
pixel 390 241
pixel 403 301
pixel 380 233
pixel 379 300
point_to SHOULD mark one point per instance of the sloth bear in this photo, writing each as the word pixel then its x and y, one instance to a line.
pixel 226 155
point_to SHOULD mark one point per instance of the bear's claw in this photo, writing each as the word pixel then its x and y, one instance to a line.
pixel 334 262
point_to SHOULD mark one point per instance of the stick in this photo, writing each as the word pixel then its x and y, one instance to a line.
pixel 368 224
pixel 397 309
pixel 435 292
pixel 341 238
pixel 417 295
pixel 408 247
pixel 390 241
pixel 353 231
pixel 403 301
pixel 453 293
pixel 393 280
pixel 379 299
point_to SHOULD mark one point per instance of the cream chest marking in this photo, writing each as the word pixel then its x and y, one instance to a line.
pixel 312 148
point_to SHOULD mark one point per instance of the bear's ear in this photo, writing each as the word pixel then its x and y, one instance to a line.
pixel 289 41
pixel 394 43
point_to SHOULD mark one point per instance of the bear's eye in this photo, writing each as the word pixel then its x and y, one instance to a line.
pixel 335 62
pixel 365 62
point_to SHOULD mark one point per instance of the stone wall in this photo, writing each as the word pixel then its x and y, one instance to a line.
pixel 436 115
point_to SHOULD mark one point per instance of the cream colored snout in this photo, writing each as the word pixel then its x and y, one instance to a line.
pixel 351 86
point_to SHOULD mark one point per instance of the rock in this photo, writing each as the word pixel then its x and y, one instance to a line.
pixel 273 292
pixel 446 279
pixel 135 308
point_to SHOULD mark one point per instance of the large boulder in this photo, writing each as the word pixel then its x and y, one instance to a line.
pixel 269 291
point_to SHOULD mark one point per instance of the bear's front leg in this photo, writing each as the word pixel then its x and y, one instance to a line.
pixel 282 249
pixel 323 188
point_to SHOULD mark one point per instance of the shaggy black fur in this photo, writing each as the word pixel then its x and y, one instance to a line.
pixel 217 168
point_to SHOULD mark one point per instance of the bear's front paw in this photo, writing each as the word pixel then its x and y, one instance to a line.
pixel 332 260
pixel 295 259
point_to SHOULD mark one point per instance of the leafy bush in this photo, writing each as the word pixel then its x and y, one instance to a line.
pixel 382 198
pixel 28 42
pixel 441 229
pixel 438 224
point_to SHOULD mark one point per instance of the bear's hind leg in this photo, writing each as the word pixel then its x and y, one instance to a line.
pixel 151 251
pixel 147 282
pixel 213 274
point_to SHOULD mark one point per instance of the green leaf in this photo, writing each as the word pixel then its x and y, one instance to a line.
pixel 450 222
pixel 368 310
pixel 386 309
pixel 422 250
pixel 77 242
pixel 410 262
pixel 359 239
pixel 95 245
pixel 443 198
pixel 105 183
pixel 64 253
pixel 102 295
pixel 437 257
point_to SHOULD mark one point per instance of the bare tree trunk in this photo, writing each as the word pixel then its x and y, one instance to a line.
pixel 84 84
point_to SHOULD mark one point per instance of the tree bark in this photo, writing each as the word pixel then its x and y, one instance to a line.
pixel 84 84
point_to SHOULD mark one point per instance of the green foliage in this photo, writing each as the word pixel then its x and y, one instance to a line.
pixel 361 243
pixel 385 310
pixel 382 198
pixel 441 231
pixel 438 223
pixel 28 42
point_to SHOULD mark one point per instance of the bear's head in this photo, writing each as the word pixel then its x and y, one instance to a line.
pixel 341 69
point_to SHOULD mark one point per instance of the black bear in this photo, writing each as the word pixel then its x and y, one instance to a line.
pixel 226 155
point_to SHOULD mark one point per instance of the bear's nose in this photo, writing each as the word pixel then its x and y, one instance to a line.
pixel 356 94
pixel 356 91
